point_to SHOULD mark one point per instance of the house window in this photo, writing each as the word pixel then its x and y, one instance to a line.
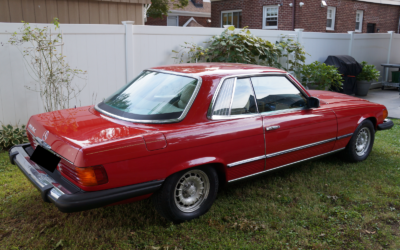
pixel 270 17
pixel 232 17
pixel 359 19
pixel 330 18
pixel 172 21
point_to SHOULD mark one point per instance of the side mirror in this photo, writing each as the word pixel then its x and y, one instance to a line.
pixel 313 102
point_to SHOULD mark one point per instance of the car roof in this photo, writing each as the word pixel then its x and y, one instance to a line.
pixel 218 69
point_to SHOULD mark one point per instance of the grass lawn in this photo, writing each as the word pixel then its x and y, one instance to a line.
pixel 322 204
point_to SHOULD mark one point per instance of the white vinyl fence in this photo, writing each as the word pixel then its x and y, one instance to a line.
pixel 114 54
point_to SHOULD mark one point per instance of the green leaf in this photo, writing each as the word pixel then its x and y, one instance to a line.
pixel 231 28
pixel 15 142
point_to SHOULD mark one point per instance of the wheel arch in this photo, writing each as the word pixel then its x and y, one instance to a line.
pixel 370 117
pixel 216 163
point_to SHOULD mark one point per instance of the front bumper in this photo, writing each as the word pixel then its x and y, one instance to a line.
pixel 75 201
pixel 387 124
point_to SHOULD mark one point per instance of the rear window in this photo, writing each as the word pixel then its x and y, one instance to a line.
pixel 152 96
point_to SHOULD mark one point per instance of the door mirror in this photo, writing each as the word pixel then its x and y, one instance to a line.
pixel 312 102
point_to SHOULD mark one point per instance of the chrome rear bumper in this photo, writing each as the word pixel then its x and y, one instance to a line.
pixel 67 201
pixel 47 186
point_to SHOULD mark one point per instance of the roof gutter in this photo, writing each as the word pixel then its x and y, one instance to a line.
pixel 189 13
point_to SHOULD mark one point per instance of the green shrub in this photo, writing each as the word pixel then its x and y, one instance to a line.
pixel 243 47
pixel 321 75
pixel 368 73
pixel 10 136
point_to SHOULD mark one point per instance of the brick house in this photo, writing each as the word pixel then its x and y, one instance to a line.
pixel 339 16
pixel 196 14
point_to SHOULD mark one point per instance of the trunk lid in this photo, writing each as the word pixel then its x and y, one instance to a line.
pixel 67 131
pixel 329 97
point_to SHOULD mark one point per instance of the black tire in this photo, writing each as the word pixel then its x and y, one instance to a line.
pixel 352 152
pixel 172 208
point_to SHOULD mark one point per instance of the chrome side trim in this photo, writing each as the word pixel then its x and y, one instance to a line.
pixel 300 148
pixel 246 161
pixel 344 136
pixel 180 118
pixel 331 152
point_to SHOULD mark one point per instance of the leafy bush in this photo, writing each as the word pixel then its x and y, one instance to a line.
pixel 243 47
pixel 368 73
pixel 321 75
pixel 10 136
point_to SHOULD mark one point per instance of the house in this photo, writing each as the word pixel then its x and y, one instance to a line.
pixel 73 11
pixel 196 14
pixel 339 16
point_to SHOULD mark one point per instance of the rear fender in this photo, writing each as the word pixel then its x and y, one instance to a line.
pixel 198 162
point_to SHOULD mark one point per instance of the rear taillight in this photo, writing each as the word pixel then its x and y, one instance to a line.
pixel 88 176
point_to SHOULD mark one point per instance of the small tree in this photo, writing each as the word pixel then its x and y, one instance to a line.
pixel 160 8
pixel 47 65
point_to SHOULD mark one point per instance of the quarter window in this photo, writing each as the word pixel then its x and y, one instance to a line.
pixel 270 17
pixel 330 18
pixel 236 97
pixel 276 93
pixel 232 17
pixel 243 101
pixel 359 19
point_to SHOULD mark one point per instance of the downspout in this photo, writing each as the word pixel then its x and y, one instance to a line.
pixel 293 14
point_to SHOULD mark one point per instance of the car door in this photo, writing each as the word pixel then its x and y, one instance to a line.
pixel 293 132
pixel 240 139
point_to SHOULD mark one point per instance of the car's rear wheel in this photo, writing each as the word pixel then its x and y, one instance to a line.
pixel 188 194
pixel 360 144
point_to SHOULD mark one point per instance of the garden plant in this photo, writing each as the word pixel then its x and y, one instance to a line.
pixel 240 46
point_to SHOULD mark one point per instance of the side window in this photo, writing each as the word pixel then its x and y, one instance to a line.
pixel 275 93
pixel 236 97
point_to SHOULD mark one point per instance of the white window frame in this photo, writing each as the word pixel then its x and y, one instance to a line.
pixel 361 12
pixel 265 17
pixel 228 11
pixel 177 21
pixel 333 17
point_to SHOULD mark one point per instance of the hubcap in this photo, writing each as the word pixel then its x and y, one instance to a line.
pixel 363 140
pixel 191 190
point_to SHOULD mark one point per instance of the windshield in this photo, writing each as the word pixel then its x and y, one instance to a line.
pixel 152 96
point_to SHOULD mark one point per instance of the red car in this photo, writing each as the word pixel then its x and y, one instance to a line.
pixel 178 133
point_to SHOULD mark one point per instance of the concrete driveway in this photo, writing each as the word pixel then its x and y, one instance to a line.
pixel 388 97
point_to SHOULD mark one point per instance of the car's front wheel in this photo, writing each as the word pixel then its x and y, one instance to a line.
pixel 188 194
pixel 360 144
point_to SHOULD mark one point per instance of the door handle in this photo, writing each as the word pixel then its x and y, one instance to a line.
pixel 272 127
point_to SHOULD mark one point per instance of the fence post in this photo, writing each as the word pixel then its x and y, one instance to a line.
pixel 390 45
pixel 388 56
pixel 299 33
pixel 351 41
pixel 128 49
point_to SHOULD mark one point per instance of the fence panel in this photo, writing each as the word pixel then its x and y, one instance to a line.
pixel 100 50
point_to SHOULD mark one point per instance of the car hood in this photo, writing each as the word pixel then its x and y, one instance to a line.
pixel 70 130
pixel 329 97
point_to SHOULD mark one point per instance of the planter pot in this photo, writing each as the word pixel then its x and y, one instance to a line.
pixel 363 87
